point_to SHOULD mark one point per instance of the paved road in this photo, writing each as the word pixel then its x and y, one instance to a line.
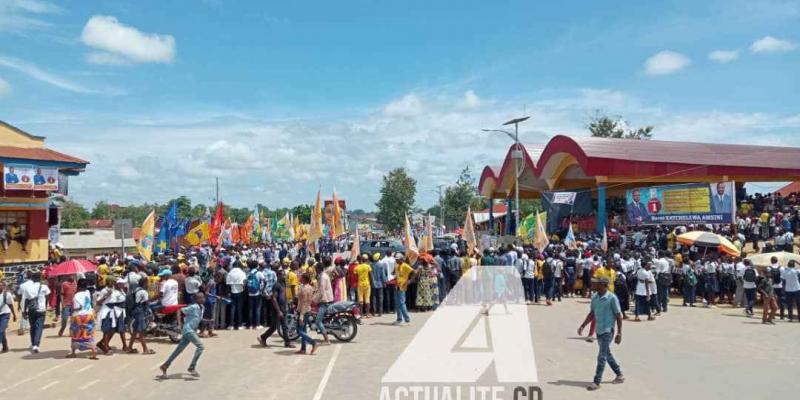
pixel 688 353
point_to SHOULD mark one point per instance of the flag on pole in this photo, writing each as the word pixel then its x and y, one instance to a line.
pixel 605 240
pixel 145 244
pixel 215 225
pixel 290 227
pixel 355 251
pixel 412 252
pixel 199 234
pixel 569 240
pixel 315 231
pixel 338 224
pixel 540 240
pixel 469 233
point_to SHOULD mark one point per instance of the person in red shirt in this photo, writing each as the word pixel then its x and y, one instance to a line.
pixel 352 279
pixel 68 289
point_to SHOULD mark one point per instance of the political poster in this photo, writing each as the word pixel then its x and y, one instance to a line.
pixel 45 179
pixel 690 203
pixel 17 177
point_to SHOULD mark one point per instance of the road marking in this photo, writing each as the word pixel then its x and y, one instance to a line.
pixel 53 368
pixel 122 367
pixel 85 368
pixel 297 360
pixel 45 387
pixel 86 386
pixel 155 366
pixel 324 381
pixel 128 383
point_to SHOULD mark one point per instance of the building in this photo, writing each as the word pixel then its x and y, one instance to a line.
pixel 89 243
pixel 33 175
pixel 609 167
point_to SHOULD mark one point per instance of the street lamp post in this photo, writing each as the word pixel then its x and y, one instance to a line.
pixel 516 154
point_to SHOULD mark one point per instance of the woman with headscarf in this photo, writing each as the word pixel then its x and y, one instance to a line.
pixel 82 321
pixel 428 291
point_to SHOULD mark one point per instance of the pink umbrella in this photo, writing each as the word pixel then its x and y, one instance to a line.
pixel 71 267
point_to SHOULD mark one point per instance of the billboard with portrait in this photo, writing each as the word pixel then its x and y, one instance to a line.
pixel 17 177
pixel 690 203
pixel 45 178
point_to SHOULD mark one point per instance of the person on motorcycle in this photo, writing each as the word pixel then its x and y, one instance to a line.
pixel 304 295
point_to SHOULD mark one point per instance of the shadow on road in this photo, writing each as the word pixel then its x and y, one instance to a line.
pixel 562 382
pixel 46 354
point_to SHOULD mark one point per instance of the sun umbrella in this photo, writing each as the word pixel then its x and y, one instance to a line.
pixel 710 240
pixel 71 267
pixel 765 259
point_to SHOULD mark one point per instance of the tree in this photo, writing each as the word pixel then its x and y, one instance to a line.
pixel 74 215
pixel 397 198
pixel 101 211
pixel 605 126
pixel 303 211
pixel 458 197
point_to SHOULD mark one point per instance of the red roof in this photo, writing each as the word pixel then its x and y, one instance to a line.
pixel 787 190
pixel 497 208
pixel 41 154
pixel 101 223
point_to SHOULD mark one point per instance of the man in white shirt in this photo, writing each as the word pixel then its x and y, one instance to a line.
pixel 35 293
pixel 777 283
pixel 388 290
pixel 643 279
pixel 169 288
pixel 738 299
pixel 235 281
pixel 791 289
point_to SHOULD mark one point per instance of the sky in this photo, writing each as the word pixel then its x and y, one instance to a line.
pixel 280 100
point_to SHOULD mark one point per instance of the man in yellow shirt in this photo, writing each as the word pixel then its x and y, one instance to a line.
pixel 404 274
pixel 292 282
pixel 606 272
pixel 102 272
pixel 538 279
pixel 363 271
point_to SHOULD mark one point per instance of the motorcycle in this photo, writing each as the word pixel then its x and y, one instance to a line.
pixel 341 320
pixel 164 322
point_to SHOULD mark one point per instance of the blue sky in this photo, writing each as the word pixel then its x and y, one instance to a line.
pixel 280 99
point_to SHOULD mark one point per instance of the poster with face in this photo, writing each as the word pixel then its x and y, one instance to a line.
pixel 17 177
pixel 45 179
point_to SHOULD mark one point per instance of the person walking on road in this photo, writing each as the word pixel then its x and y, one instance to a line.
pixel 6 312
pixel 765 287
pixel 34 306
pixel 605 311
pixel 191 316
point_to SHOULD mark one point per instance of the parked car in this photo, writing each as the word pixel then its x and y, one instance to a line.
pixel 382 246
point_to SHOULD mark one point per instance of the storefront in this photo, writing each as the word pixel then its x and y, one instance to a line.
pixel 33 177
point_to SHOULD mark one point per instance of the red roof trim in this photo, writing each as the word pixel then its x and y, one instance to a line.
pixel 41 154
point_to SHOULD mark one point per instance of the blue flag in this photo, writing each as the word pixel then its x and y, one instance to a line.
pixel 169 224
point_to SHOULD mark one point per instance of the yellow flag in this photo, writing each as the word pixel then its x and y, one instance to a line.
pixel 315 230
pixel 540 239
pixel 469 233
pixel 198 234
pixel 145 245
pixel 411 246
pixel 338 225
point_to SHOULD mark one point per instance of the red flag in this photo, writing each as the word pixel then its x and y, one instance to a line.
pixel 215 227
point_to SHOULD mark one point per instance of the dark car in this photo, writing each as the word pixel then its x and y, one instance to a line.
pixel 382 246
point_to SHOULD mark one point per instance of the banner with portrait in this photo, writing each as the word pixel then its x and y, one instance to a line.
pixel 17 177
pixel 690 203
pixel 45 178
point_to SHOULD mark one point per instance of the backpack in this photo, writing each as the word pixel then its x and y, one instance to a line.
pixel 547 268
pixel 776 276
pixel 749 275
pixel 32 305
pixel 691 278
pixel 253 285
pixel 664 279
pixel 130 300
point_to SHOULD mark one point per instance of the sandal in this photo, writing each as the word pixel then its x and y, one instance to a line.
pixel 71 356
pixel 149 352
pixel 133 351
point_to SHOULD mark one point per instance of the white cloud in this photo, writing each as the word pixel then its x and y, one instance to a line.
pixel 769 44
pixel 23 15
pixel 471 100
pixel 723 56
pixel 118 42
pixel 41 75
pixel 408 106
pixel 666 62
pixel 5 88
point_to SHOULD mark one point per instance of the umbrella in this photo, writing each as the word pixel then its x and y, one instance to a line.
pixel 765 259
pixel 71 267
pixel 708 239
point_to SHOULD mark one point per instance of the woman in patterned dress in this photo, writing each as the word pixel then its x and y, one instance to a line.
pixel 82 321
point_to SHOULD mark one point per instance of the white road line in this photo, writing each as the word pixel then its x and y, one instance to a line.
pixel 26 380
pixel 297 360
pixel 155 366
pixel 128 383
pixel 324 381
pixel 122 367
pixel 84 368
pixel 18 383
pixel 45 387
pixel 86 386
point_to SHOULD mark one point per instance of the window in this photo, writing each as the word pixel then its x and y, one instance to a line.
pixel 9 217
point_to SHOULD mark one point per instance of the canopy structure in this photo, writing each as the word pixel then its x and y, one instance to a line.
pixel 611 166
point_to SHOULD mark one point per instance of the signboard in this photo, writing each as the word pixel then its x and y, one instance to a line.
pixel 30 177
pixel 123 229
pixel 564 197
pixel 17 177
pixel 691 203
